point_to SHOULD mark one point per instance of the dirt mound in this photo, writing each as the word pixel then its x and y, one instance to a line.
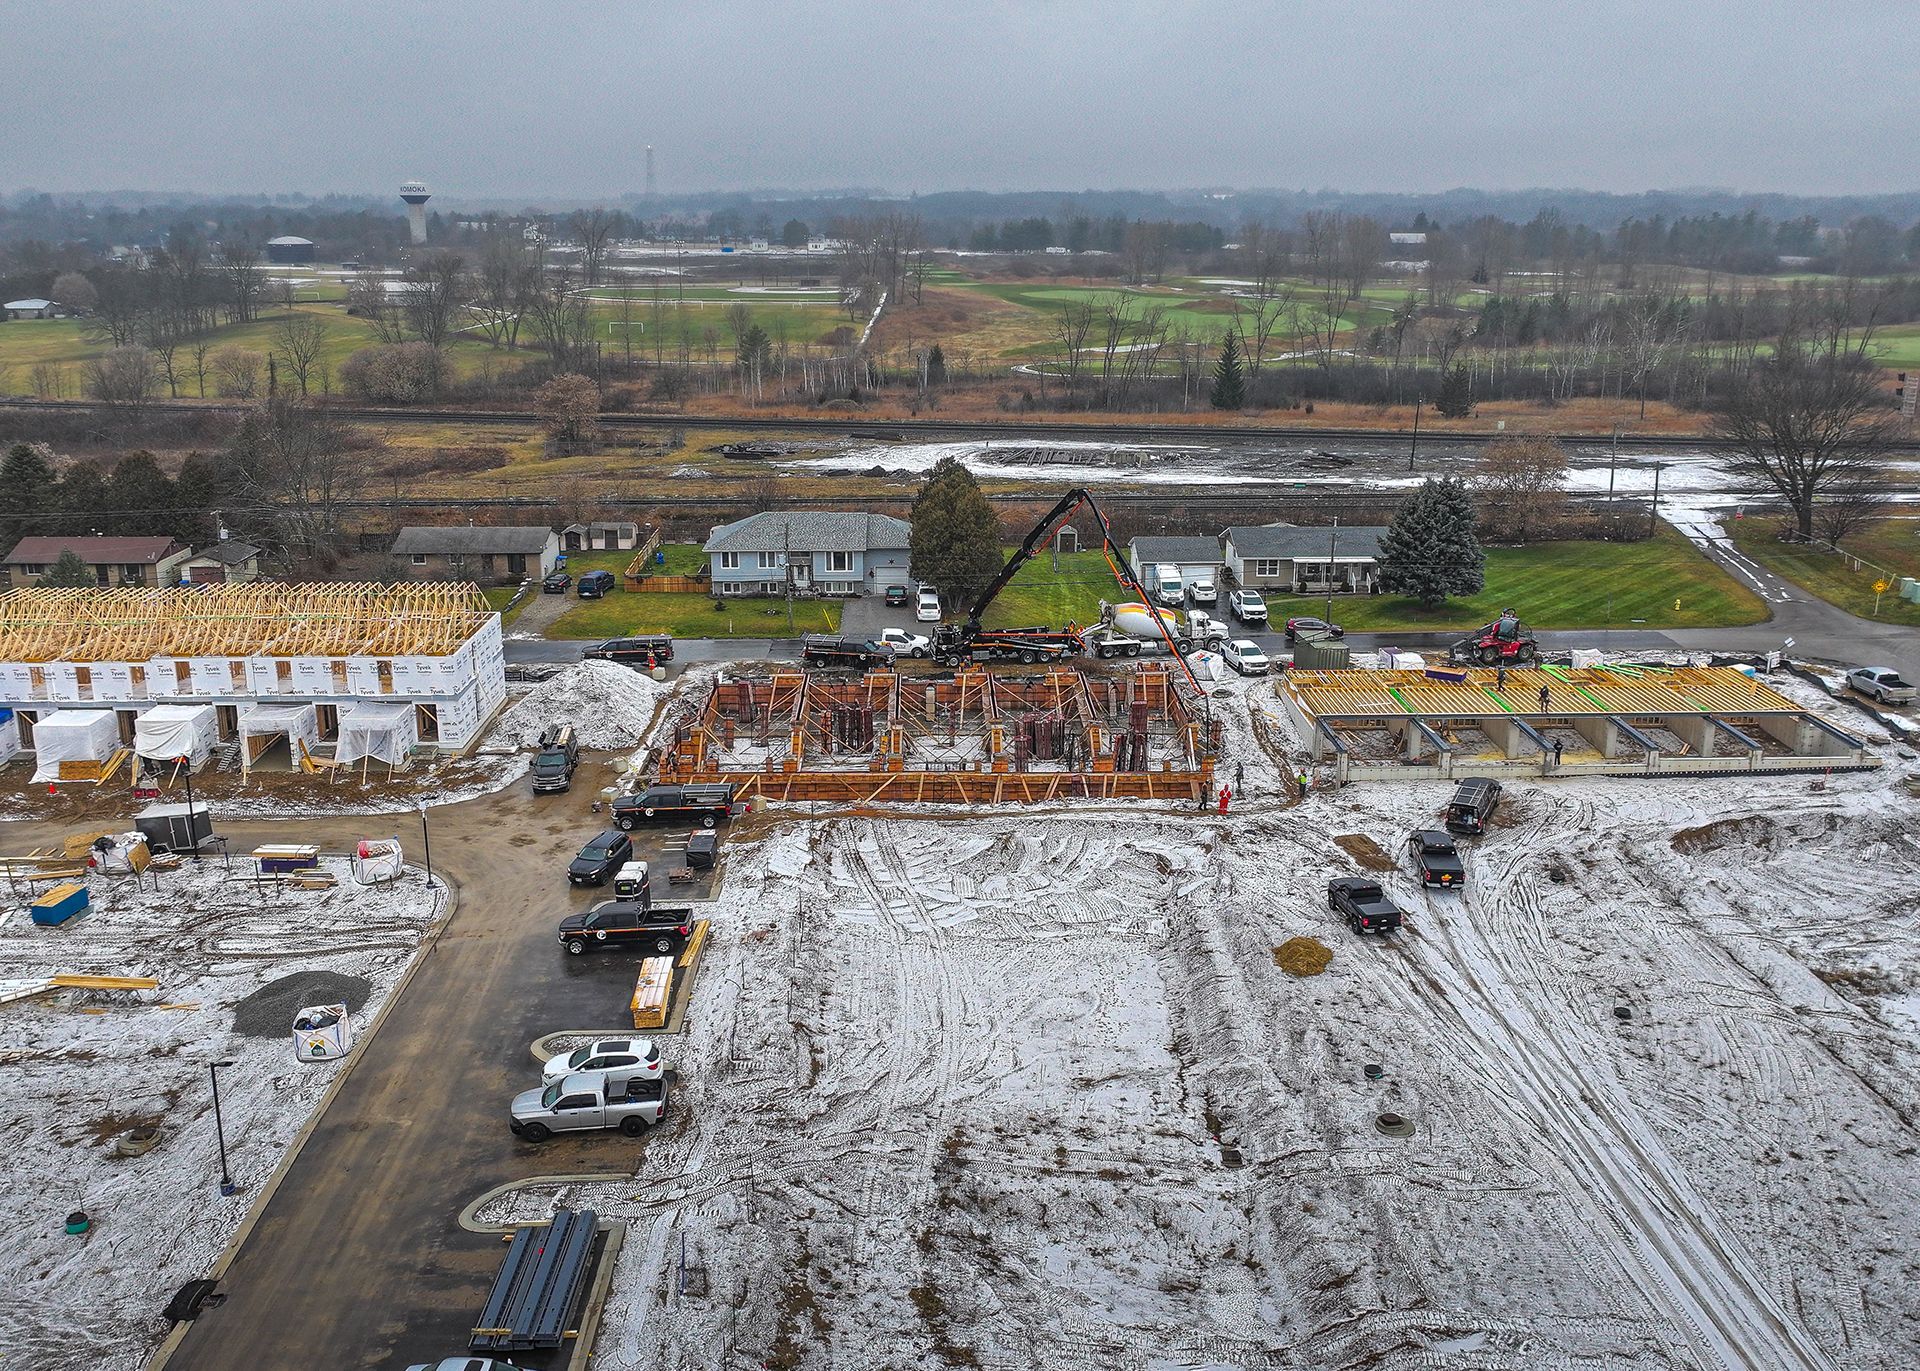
pixel 1755 830
pixel 1364 850
pixel 1302 956
pixel 268 1012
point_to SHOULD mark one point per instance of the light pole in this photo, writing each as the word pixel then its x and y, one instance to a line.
pixel 1414 454
pixel 227 1186
pixel 1653 514
pixel 426 843
pixel 1333 544
pixel 191 833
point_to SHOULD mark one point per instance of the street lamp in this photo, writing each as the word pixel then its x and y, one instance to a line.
pixel 227 1186
pixel 1414 454
pixel 191 833
pixel 426 843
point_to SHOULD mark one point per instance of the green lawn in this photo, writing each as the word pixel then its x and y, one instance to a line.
pixel 1553 585
pixel 1892 543
pixel 686 615
pixel 498 596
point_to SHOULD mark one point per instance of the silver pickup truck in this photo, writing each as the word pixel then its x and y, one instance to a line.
pixel 582 1101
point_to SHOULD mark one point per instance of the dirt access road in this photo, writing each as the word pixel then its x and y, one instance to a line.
pixel 359 1252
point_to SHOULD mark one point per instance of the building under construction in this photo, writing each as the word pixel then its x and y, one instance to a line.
pixel 971 738
pixel 360 672
pixel 1607 720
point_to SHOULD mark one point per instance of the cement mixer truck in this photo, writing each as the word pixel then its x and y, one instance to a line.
pixel 1127 630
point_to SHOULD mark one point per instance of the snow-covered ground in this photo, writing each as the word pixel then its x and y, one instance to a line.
pixel 1026 1089
pixel 610 706
pixel 81 1068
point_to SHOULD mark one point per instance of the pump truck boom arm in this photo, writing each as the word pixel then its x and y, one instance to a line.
pixel 1070 504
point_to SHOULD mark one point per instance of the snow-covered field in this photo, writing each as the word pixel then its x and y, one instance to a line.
pixel 1026 1089
pixel 81 1068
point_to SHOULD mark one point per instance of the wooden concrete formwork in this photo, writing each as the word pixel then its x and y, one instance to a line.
pixel 976 737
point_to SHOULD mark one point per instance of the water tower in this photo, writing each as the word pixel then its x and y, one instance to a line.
pixel 415 194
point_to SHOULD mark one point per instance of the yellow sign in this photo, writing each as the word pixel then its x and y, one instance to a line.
pixel 1880 587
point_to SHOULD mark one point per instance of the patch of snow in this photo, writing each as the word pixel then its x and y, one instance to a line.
pixel 610 706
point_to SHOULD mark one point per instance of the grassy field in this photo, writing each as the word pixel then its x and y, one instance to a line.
pixel 1893 544
pixel 693 616
pixel 1664 582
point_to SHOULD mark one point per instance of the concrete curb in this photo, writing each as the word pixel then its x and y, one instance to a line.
pixel 542 1050
pixel 473 1225
pixel 171 1344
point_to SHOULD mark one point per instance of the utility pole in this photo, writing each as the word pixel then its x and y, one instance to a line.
pixel 786 556
pixel 1333 543
pixel 1613 461
pixel 1653 515
pixel 1413 455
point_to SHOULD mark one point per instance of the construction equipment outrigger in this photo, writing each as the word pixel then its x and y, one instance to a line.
pixel 955 645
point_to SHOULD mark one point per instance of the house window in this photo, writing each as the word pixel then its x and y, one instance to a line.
pixel 769 560
pixel 839 561
pixel 133 571
pixel 730 561
pixel 419 559
pixel 1266 566
pixel 32 569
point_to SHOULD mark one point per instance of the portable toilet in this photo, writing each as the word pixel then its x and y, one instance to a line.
pixel 1910 589
pixel 322 1033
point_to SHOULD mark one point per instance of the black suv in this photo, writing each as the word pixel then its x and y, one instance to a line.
pixel 1472 806
pixel 1365 904
pixel 595 584
pixel 600 858
pixel 1437 859
pixel 627 923
pixel 705 805
pixel 635 651
pixel 896 596
pixel 553 765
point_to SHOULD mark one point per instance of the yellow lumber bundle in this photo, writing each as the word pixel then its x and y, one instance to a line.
pixel 652 992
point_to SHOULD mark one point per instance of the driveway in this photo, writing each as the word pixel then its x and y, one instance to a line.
pixel 358 1259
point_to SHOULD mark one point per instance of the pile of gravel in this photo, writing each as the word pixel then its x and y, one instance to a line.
pixel 610 706
pixel 268 1012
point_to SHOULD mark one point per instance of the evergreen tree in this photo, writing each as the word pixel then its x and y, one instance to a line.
pixel 1229 377
pixel 141 493
pixel 27 491
pixel 199 491
pixel 69 570
pixel 82 496
pixel 1431 551
pixel 936 366
pixel 956 537
pixel 1455 400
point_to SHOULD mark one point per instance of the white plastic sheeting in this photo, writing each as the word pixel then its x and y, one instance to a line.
pixel 73 735
pixel 260 724
pixel 383 732
pixel 168 732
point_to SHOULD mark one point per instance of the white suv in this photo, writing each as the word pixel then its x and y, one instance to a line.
pixel 927 607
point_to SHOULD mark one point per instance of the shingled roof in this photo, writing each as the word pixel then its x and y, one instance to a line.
pixel 809 530
pixel 464 540
pixel 1305 542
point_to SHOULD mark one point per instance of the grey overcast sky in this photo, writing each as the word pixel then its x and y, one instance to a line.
pixel 555 98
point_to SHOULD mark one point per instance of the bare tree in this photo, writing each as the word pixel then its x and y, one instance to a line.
pixel 368 298
pixel 1522 487
pixel 299 339
pixel 123 378
pixel 435 296
pixel 300 463
pixel 1070 329
pixel 569 404
pixel 1811 423
pixel 562 320
pixel 594 228
pixel 245 282
pixel 504 287
pixel 200 349
pixel 236 372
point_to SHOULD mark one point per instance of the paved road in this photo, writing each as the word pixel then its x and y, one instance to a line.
pixel 358 1260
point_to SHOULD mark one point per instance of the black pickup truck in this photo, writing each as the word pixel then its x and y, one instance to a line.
pixel 647 649
pixel 627 923
pixel 1365 904
pixel 818 649
pixel 705 805
pixel 1437 859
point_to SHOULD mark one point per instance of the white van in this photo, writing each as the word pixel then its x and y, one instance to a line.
pixel 1168 588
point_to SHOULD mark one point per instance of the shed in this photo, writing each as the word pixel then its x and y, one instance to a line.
pixel 385 733
pixel 168 732
pixel 73 735
pixel 263 726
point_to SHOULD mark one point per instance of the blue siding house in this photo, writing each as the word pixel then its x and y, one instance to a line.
pixel 822 552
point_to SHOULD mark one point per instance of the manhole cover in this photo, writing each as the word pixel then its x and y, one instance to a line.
pixel 1620 1011
pixel 1373 1071
pixel 1394 1125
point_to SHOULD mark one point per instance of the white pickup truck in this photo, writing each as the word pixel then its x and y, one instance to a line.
pixel 579 1103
